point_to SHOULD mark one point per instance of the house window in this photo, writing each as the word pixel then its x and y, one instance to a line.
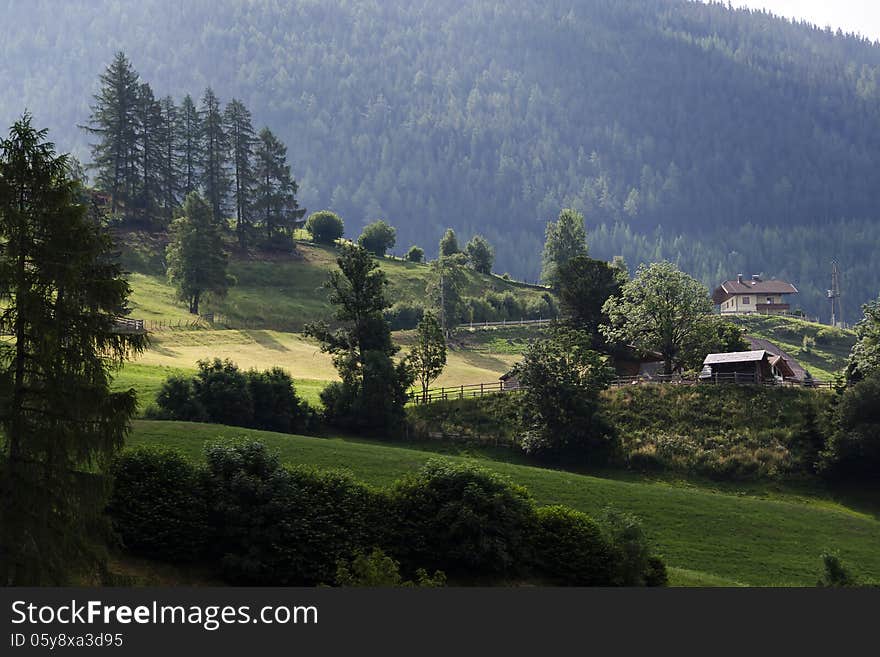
pixel 746 301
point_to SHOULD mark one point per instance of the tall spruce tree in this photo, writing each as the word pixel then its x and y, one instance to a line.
pixel 169 162
pixel 113 120
pixel 276 190
pixel 150 155
pixel 240 132
pixel 60 293
pixel 190 144
pixel 197 259
pixel 215 174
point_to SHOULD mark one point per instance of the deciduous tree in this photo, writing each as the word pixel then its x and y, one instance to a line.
pixel 662 309
pixel 428 355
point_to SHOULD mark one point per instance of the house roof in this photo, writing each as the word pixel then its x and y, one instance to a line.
pixel 735 357
pixel 782 365
pixel 752 286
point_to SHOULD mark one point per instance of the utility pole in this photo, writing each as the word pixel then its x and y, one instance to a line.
pixel 834 295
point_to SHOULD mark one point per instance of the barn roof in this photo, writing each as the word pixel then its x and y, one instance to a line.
pixel 735 357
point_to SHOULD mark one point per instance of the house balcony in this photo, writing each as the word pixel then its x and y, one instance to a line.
pixel 772 308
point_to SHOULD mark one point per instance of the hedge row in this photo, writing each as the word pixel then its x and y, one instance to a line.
pixel 259 523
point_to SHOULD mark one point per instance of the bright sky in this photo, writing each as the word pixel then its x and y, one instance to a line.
pixel 860 16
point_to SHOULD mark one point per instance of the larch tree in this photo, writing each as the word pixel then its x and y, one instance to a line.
pixel 215 173
pixel 61 293
pixel 114 122
pixel 196 257
pixel 150 155
pixel 190 145
pixel 169 161
pixel 565 239
pixel 240 132
pixel 276 190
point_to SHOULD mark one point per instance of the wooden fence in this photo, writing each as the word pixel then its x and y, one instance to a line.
pixel 500 387
pixel 509 322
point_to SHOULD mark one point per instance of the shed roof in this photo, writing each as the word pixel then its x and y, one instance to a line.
pixel 735 357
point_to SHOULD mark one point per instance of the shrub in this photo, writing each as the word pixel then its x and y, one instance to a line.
pixel 280 526
pixel 570 548
pixel 404 316
pixel 275 404
pixel 853 450
pixel 158 506
pixel 221 393
pixel 177 401
pixel 325 227
pixel 378 237
pixel 222 390
pixel 835 573
pixel 631 558
pixel 415 254
pixel 378 569
pixel 461 518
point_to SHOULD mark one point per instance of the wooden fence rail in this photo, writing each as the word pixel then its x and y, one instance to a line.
pixel 473 390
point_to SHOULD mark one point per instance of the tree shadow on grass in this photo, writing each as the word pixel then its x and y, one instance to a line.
pixel 263 339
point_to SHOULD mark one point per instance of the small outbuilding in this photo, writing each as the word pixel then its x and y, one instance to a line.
pixel 744 366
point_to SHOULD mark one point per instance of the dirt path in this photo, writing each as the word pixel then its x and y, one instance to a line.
pixel 770 348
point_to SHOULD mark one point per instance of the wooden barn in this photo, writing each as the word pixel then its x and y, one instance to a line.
pixel 739 366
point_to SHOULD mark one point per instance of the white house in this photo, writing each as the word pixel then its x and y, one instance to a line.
pixel 754 296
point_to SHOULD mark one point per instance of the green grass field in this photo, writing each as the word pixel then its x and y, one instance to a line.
pixel 823 361
pixel 282 292
pixel 753 536
pixel 178 351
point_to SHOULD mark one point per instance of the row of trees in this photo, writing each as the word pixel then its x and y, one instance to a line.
pixel 150 154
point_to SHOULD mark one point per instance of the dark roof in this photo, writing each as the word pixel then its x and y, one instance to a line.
pixel 782 365
pixel 751 286
pixel 735 357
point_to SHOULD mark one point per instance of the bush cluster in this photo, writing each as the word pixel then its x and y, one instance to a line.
pixel 221 393
pixel 258 523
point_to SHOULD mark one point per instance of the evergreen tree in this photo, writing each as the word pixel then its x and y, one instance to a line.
pixel 61 294
pixel 565 239
pixel 114 121
pixel 449 243
pixel 276 189
pixel 214 146
pixel 480 254
pixel 373 388
pixel 149 122
pixel 190 144
pixel 197 260
pixel 241 141
pixel 169 161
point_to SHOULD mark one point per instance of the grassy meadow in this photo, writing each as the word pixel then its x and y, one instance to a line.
pixel 823 360
pixel 761 536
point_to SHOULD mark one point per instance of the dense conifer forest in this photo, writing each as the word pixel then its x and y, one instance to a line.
pixel 725 140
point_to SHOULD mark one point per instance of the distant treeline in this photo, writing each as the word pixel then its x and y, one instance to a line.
pixel 490 116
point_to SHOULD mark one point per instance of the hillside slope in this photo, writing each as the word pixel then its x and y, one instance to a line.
pixel 752 141
pixel 725 537
pixel 284 293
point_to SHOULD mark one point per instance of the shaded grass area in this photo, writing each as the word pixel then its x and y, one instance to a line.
pixel 176 351
pixel 823 361
pixel 710 537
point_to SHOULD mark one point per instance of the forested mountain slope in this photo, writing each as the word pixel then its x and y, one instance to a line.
pixel 753 143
